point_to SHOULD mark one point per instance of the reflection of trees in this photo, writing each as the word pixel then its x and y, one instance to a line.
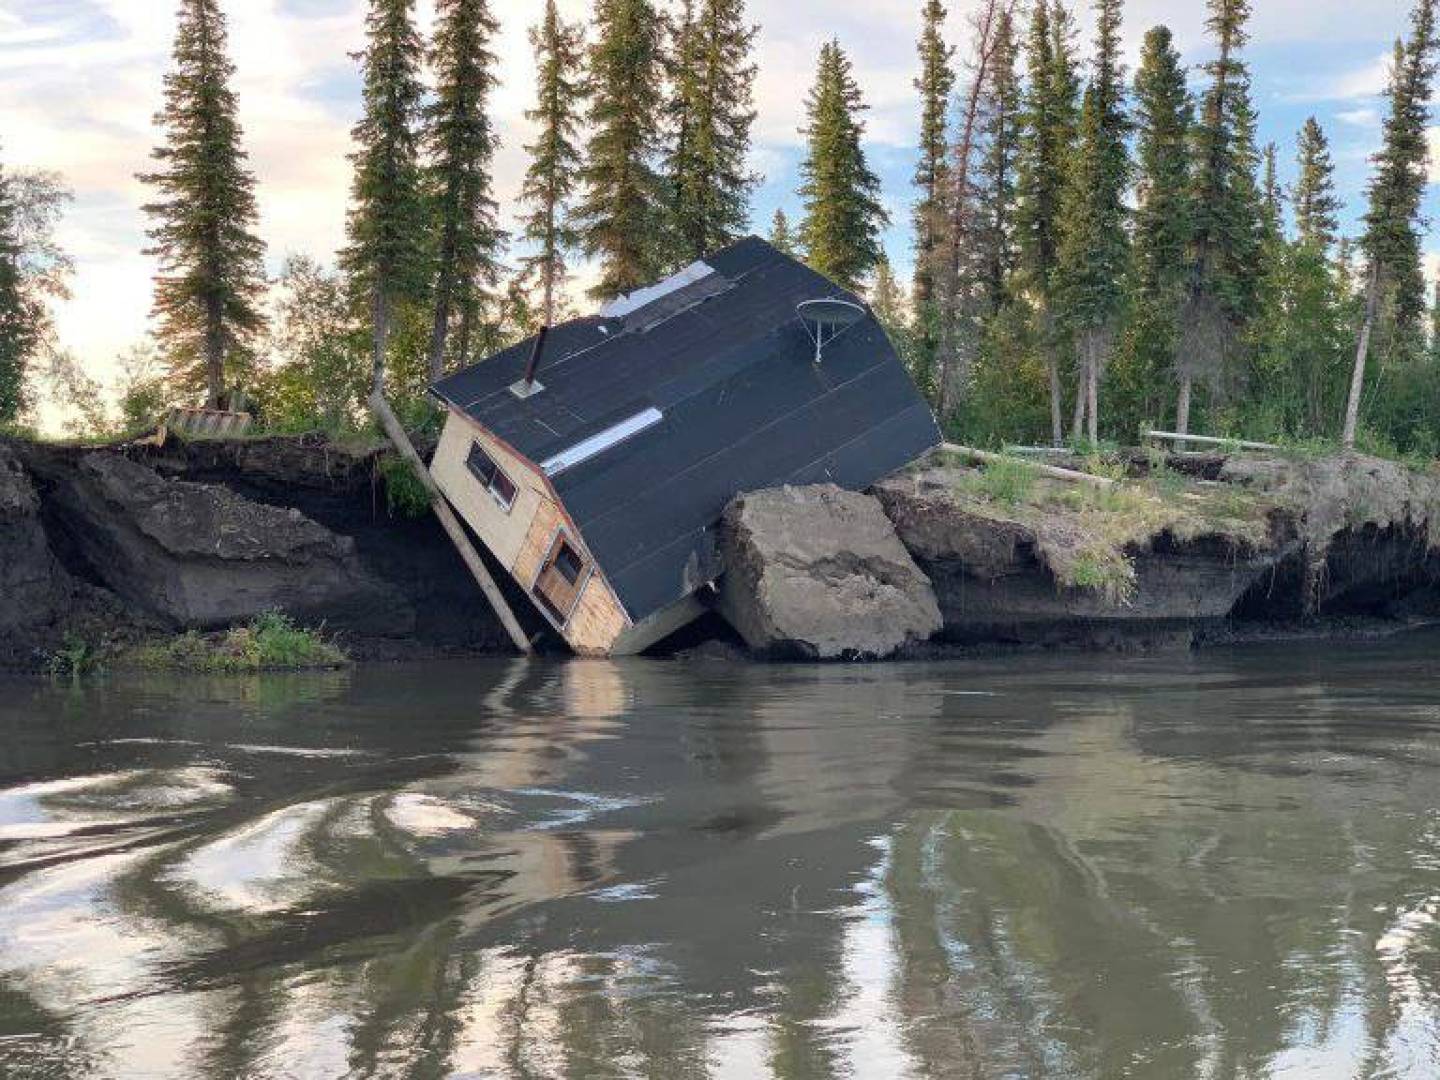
pixel 1141 911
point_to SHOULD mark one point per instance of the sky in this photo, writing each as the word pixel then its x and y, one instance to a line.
pixel 80 81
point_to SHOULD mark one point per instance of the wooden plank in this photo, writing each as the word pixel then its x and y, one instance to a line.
pixel 1207 440
pixel 1052 471
pixel 456 531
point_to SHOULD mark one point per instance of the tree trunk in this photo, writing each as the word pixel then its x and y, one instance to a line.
pixel 1057 424
pixel 1092 393
pixel 1362 355
pixel 380 312
pixel 214 353
pixel 440 330
pixel 1182 411
pixel 1077 426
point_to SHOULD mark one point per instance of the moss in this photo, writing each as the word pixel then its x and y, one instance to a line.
pixel 270 642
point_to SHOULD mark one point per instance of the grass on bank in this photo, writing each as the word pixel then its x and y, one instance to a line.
pixel 269 642
pixel 1088 535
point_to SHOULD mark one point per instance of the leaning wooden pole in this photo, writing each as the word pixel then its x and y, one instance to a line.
pixel 381 408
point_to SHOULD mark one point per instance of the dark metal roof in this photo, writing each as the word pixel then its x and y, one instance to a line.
pixel 729 365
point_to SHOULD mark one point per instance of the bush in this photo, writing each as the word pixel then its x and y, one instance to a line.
pixel 405 493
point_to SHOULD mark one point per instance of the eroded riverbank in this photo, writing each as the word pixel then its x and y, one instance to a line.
pixel 101 548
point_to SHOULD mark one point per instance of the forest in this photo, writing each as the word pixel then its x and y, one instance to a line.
pixel 1097 251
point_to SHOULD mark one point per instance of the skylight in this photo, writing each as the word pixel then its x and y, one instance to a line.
pixel 599 443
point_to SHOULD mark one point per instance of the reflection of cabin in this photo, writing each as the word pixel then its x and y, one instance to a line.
pixel 598 480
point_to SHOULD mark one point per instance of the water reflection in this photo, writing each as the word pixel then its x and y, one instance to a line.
pixel 1223 866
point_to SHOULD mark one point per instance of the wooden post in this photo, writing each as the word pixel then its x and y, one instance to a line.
pixel 1180 438
pixel 456 531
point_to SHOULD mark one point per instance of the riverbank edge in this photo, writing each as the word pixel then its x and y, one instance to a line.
pixel 331 498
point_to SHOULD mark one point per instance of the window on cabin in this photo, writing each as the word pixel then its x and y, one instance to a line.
pixel 567 563
pixel 557 586
pixel 501 488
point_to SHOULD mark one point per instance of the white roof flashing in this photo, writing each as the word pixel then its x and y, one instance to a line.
pixel 601 441
pixel 625 305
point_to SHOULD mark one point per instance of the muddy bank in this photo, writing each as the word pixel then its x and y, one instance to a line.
pixel 121 544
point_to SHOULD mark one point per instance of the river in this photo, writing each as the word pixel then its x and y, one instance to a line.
pixel 1224 864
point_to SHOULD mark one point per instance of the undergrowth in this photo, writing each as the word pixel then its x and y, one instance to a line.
pixel 269 642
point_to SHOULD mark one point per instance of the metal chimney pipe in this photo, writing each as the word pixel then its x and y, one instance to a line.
pixel 535 352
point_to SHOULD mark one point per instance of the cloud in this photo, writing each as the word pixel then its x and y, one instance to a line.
pixel 1366 118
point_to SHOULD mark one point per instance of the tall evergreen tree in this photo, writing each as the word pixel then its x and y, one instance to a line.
pixel 1225 260
pixel 621 215
pixel 711 111
pixel 843 216
pixel 1392 242
pixel 1000 132
pixel 959 278
pixel 781 235
pixel 388 256
pixel 1093 245
pixel 934 84
pixel 1046 142
pixel 462 144
pixel 1317 210
pixel 554 155
pixel 33 270
pixel 1163 214
pixel 211 278
pixel 1272 205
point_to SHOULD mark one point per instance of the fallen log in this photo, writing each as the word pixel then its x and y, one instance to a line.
pixel 1052 471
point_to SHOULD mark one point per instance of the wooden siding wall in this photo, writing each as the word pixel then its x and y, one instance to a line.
pixel 522 539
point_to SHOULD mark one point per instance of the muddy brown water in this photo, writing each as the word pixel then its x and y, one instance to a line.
pixel 1219 865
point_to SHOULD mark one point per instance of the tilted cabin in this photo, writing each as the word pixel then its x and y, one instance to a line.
pixel 599 481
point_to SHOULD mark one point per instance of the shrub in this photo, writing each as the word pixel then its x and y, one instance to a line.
pixel 405 493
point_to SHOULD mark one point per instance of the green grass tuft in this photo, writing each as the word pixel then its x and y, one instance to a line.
pixel 269 642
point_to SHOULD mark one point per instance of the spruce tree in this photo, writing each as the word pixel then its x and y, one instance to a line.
pixel 554 156
pixel 934 84
pixel 711 113
pixel 1046 143
pixel 1317 210
pixel 388 256
pixel 1391 241
pixel 211 278
pixel 620 216
pixel 843 216
pixel 1225 258
pixel 782 237
pixel 1163 214
pixel 1000 133
pixel 1093 245
pixel 462 144
pixel 1272 206
pixel 960 278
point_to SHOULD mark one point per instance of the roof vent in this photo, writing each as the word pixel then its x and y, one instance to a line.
pixel 826 319
pixel 528 386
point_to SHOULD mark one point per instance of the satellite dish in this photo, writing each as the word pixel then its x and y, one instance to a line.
pixel 825 320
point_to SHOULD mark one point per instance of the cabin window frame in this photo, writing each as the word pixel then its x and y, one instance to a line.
pixel 560 536
pixel 489 483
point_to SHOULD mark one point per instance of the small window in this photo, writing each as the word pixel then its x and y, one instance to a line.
pixel 567 563
pixel 501 487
